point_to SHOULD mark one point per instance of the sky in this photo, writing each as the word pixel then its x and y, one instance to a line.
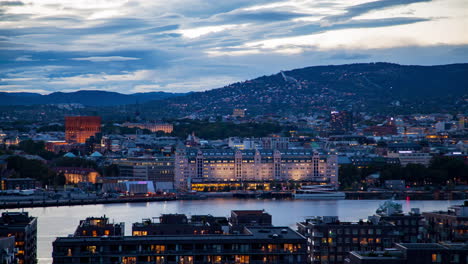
pixel 195 45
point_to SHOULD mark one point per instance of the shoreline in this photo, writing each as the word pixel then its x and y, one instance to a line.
pixel 355 195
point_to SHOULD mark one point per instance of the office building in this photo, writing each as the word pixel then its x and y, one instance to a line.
pixel 159 170
pixel 80 128
pixel 24 228
pixel 195 168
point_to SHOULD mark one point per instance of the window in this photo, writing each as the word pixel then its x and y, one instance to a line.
pixel 436 258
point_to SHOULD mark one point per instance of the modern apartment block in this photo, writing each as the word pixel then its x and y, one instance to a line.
pixel 99 226
pixel 24 228
pixel 255 244
pixel 450 225
pixel 413 253
pixel 203 166
pixel 176 224
pixel 330 240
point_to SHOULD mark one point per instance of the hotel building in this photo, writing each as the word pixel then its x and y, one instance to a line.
pixel 196 167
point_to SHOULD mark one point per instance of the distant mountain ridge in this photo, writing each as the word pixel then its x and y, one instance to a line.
pixel 367 87
pixel 85 97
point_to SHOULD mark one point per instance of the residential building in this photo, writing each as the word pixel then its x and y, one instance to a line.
pixel 24 228
pixel 99 226
pixel 341 122
pixel 7 250
pixel 255 244
pixel 413 253
pixel 245 218
pixel 330 240
pixel 450 225
pixel 238 112
pixel 180 224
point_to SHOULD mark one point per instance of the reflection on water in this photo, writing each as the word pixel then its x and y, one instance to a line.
pixel 61 221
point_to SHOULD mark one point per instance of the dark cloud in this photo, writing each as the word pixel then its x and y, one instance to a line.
pixel 349 56
pixel 360 9
pixel 11 3
pixel 257 16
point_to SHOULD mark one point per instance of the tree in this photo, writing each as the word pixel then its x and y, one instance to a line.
pixel 25 168
pixel 111 170
pixel 348 175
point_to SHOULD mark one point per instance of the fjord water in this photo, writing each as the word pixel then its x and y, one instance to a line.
pixel 62 221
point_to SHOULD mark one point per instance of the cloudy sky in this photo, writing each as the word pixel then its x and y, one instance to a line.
pixel 194 45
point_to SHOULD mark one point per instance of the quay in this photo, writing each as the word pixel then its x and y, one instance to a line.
pixel 68 202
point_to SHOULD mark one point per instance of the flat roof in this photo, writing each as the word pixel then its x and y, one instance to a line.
pixel 283 234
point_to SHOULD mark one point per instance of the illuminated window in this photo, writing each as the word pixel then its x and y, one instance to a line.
pixel 436 258
pixel 91 249
pixel 140 233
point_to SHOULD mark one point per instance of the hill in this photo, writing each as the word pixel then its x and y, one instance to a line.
pixel 87 98
pixel 370 87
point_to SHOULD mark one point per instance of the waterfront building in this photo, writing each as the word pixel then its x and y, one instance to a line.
pixel 408 225
pixel 255 244
pixel 450 225
pixel 413 253
pixel 99 226
pixel 80 128
pixel 153 127
pixel 245 218
pixel 24 228
pixel 329 240
pixel 180 224
pixel 195 168
pixel 159 170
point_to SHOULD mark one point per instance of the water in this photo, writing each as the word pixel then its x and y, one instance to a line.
pixel 62 221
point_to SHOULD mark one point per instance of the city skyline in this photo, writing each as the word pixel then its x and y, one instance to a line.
pixel 182 46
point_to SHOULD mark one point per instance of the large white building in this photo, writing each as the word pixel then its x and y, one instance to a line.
pixel 193 165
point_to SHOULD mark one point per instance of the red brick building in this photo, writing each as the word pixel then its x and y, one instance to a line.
pixel 79 128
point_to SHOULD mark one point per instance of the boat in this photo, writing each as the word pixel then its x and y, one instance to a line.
pixel 318 192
